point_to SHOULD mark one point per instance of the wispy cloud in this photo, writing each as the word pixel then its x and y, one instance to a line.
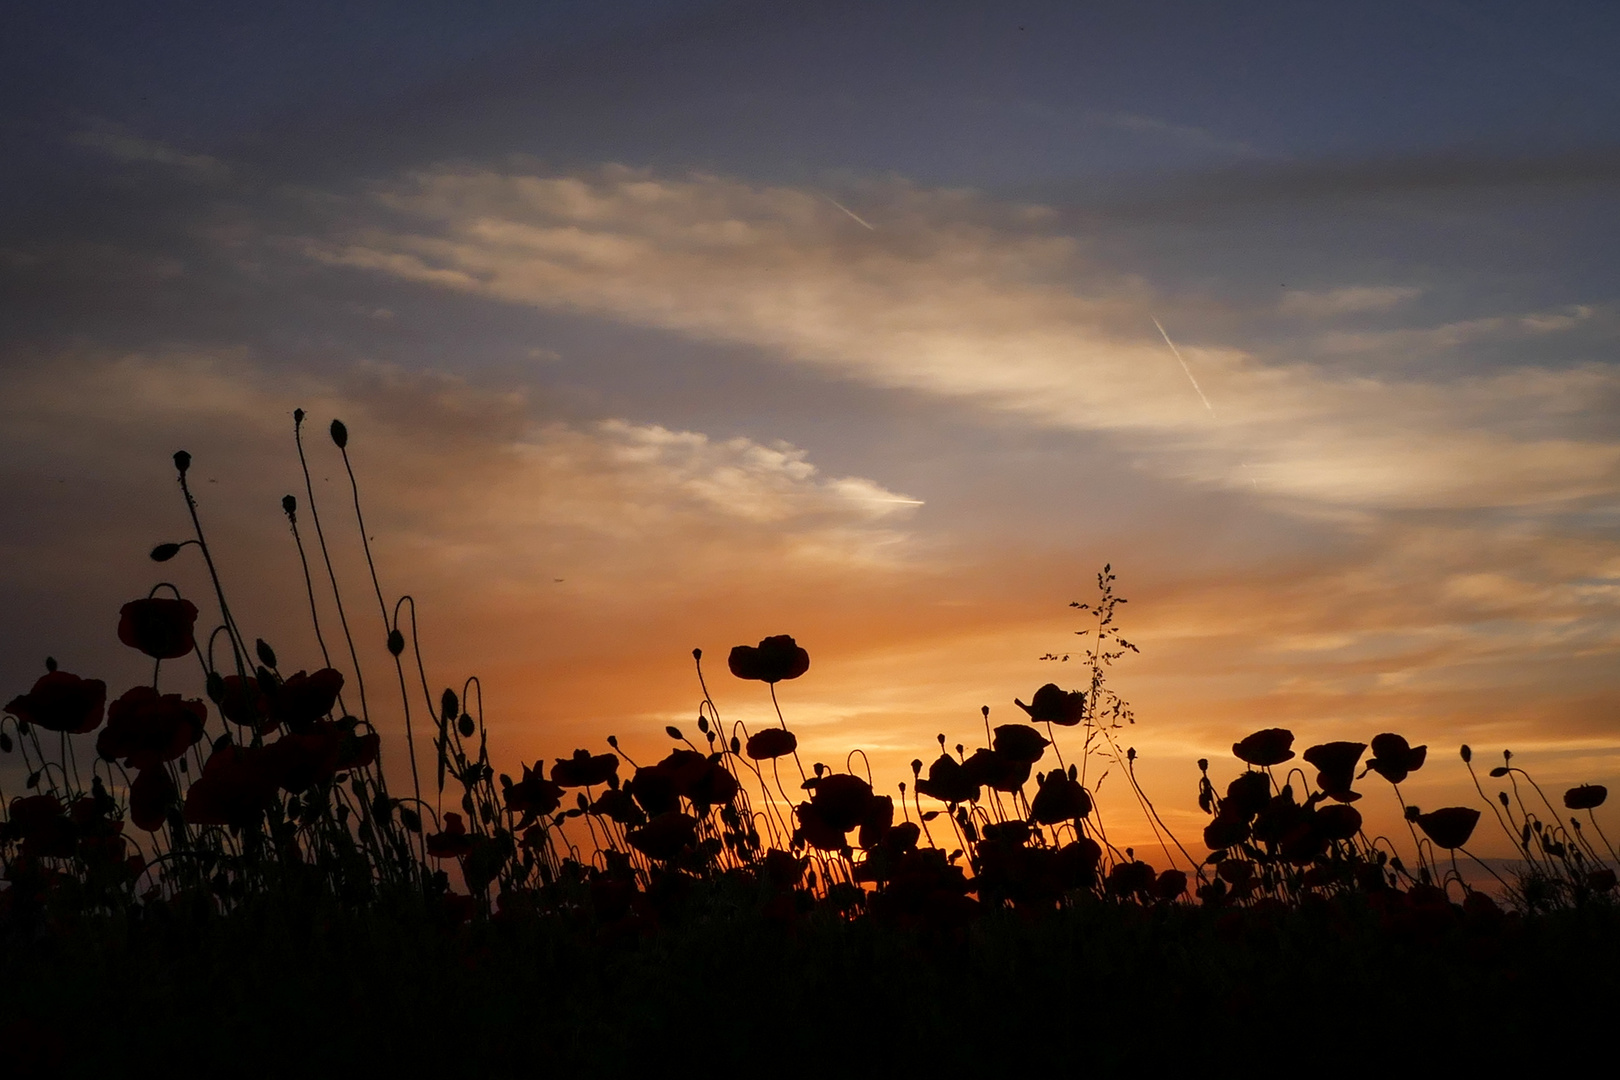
pixel 125 147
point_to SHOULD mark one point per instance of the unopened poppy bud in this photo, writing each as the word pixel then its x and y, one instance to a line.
pixel 410 819
pixel 697 654
pixel 267 655
pixel 820 768
pixel 340 434
pixel 674 732
pixel 396 642
pixel 613 741
pixel 465 726
pixel 165 552
pixel 216 687
pixel 985 710
pixel 736 745
pixel 703 724
pixel 1467 754
pixel 1412 813
pixel 5 743
pixel 916 766
pixel 449 704
pixel 50 663
pixel 182 461
pixel 289 506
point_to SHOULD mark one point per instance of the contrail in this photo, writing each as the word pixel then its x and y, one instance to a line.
pixel 859 220
pixel 1184 366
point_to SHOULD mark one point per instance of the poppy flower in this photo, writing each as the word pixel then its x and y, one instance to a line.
pixel 146 728
pixel 1337 822
pixel 949 782
pixel 1449 827
pixel 995 770
pixel 1336 768
pixel 1247 795
pixel 711 785
pixel 39 822
pixel 1130 878
pixel 61 702
pixel 875 825
pixel 1269 746
pixel 1059 799
pixel 1281 815
pixel 665 836
pixel 784 869
pixel 1078 861
pixel 302 699
pixel 615 803
pixel 158 626
pixel 772 660
pixel 901 838
pixel 841 800
pixel 452 841
pixel 533 796
pixel 1170 885
pixel 584 770
pixel 1050 705
pixel 1020 743
pixel 1394 758
pixel 1585 797
pixel 1600 880
pixel 654 787
pixel 152 795
pixel 771 743
pixel 299 761
pixel 236 786
pixel 1227 830
pixel 243 702
pixel 356 751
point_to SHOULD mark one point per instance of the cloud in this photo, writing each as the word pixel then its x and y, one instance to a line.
pixel 962 298
pixel 124 147
pixel 1349 300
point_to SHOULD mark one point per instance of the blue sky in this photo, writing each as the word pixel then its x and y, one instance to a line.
pixel 838 320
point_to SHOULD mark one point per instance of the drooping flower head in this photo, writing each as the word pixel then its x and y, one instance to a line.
pixel 1268 746
pixel 1336 768
pixel 1052 705
pixel 158 626
pixel 146 728
pixel 772 660
pixel 1449 827
pixel 1394 758
pixel 62 702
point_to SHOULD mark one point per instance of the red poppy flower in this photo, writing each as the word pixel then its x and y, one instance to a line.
pixel 1170 885
pixel 244 703
pixel 1449 827
pixel 1059 799
pixel 1269 746
pixel 1078 862
pixel 771 743
pixel 1227 830
pixel 711 786
pixel 1337 822
pixel 901 838
pixel 615 803
pixel 875 825
pixel 356 751
pixel 654 787
pixel 160 627
pixel 817 831
pixel 533 796
pixel 1020 743
pixel 772 660
pixel 1394 758
pixel 152 795
pixel 1600 880
pixel 1247 795
pixel 1281 815
pixel 1051 705
pixel 842 800
pixel 452 841
pixel 784 869
pixel 39 822
pixel 665 836
pixel 995 770
pixel 1336 768
pixel 235 787
pixel 299 761
pixel 301 700
pixel 145 728
pixel 1585 797
pixel 584 770
pixel 61 702
pixel 1130 878
pixel 949 782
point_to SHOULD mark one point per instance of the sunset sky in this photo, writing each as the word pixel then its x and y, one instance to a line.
pixel 662 325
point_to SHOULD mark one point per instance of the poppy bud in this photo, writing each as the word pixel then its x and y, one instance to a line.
pixel 1500 770
pixel 674 732
pixel 267 655
pixel 697 654
pixel 216 687
pixel 1203 764
pixel 916 766
pixel 703 724
pixel 5 743
pixel 289 505
pixel 1467 754
pixel 736 745
pixel 340 434
pixel 298 416
pixel 449 704
pixel 165 552
pixel 465 726
pixel 50 663
pixel 396 642
pixel 182 461
pixel 410 819
pixel 613 741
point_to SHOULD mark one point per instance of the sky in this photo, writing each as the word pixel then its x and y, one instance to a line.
pixel 885 325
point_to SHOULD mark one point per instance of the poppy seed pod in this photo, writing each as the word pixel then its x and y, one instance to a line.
pixel 165 552
pixel 340 434
pixel 289 506
pixel 182 461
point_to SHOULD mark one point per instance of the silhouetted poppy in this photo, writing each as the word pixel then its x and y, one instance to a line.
pixel 1131 878
pixel 584 770
pixel 1337 822
pixel 665 836
pixel 619 805
pixel 300 760
pixel 356 750
pixel 1394 758
pixel 146 728
pixel 1050 705
pixel 771 743
pixel 1336 768
pixel 302 699
pixel 817 831
pixel 1170 885
pixel 42 826
pixel 243 702
pixel 1600 880
pixel 1247 795
pixel 772 660
pixel 236 786
pixel 1281 815
pixel 152 795
pixel 902 837
pixel 452 841
pixel 533 796
pixel 158 626
pixel 711 785
pixel 1269 746
pixel 1078 862
pixel 1585 797
pixel 1059 799
pixel 1449 827
pixel 876 822
pixel 995 770
pixel 948 781
pixel 654 787
pixel 1020 743
pixel 1228 829
pixel 783 868
pixel 61 702
pixel 842 800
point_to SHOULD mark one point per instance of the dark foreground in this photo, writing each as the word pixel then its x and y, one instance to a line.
pixel 1095 989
